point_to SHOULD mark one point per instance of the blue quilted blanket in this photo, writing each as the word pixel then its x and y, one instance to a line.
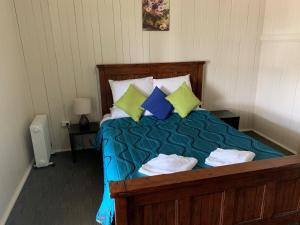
pixel 126 145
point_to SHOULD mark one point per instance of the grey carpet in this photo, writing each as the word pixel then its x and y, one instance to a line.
pixel 67 194
pixel 267 142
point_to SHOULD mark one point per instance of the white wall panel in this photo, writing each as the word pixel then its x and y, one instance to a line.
pixel 75 35
pixel 30 42
pixel 277 100
pixel 282 16
pixel 16 108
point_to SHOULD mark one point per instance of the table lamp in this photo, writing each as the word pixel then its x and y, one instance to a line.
pixel 82 107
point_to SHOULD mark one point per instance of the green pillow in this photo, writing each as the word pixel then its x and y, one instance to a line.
pixel 131 102
pixel 183 100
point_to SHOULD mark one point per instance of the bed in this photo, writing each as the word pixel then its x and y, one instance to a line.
pixel 265 191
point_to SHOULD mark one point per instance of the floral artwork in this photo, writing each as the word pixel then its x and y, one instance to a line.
pixel 156 15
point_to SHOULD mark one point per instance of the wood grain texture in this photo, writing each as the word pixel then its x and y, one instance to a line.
pixel 249 204
pixel 157 70
pixel 260 192
pixel 64 40
pixel 205 209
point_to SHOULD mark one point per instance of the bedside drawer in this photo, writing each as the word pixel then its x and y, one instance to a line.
pixel 234 121
pixel 228 117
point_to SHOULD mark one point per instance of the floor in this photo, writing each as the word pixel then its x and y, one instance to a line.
pixel 267 142
pixel 67 194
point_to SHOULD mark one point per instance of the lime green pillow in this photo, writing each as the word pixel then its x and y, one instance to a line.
pixel 131 102
pixel 183 100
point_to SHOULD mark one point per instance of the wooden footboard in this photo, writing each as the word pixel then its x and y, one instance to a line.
pixel 260 192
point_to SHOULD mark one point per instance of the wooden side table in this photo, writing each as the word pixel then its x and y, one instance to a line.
pixel 228 117
pixel 74 130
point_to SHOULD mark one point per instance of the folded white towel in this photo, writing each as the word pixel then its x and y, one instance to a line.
pixel 211 161
pixel 221 157
pixel 165 164
pixel 232 155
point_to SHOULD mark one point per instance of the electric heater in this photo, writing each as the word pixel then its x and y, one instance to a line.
pixel 40 136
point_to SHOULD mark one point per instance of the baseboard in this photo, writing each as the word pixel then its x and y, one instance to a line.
pixel 68 149
pixel 61 150
pixel 271 139
pixel 15 195
pixel 245 130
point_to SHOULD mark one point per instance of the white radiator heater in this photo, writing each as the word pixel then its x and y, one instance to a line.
pixel 40 136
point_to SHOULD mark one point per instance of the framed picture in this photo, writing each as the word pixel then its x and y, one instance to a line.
pixel 156 15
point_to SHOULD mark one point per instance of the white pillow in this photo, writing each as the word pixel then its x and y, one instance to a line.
pixel 118 88
pixel 147 113
pixel 169 85
pixel 116 113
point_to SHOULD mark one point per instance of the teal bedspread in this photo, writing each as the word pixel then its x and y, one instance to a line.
pixel 126 145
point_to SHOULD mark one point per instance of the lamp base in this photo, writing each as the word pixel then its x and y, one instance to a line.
pixel 84 123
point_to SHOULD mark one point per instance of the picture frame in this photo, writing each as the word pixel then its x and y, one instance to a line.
pixel 156 15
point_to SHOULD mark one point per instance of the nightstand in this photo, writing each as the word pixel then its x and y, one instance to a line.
pixel 228 117
pixel 74 130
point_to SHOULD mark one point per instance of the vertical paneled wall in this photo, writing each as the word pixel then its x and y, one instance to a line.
pixel 278 90
pixel 15 110
pixel 63 40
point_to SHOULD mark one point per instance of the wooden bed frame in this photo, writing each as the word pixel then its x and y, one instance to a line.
pixel 254 193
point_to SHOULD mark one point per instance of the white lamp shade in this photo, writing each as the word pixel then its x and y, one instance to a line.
pixel 82 106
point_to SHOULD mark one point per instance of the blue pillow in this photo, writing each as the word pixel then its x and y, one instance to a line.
pixel 158 105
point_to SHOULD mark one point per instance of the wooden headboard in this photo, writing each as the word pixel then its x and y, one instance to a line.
pixel 157 70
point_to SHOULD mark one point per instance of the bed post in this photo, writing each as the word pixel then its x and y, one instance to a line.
pixel 121 206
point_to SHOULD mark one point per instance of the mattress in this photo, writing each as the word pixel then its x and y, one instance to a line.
pixel 126 145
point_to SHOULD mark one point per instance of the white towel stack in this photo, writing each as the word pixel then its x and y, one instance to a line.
pixel 222 157
pixel 165 164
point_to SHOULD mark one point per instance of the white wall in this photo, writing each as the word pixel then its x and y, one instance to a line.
pixel 64 40
pixel 277 111
pixel 15 111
